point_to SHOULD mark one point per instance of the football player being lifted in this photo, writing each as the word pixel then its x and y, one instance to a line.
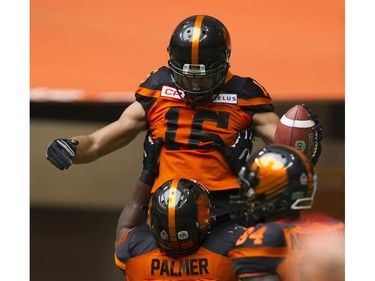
pixel 196 108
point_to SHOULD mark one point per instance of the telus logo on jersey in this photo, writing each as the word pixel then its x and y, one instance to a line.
pixel 182 267
pixel 225 98
pixel 171 92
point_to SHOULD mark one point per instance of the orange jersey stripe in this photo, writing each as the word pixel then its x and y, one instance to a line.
pixel 263 89
pixel 258 252
pixel 254 101
pixel 119 263
pixel 148 92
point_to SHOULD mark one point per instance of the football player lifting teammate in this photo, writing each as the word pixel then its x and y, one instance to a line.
pixel 196 110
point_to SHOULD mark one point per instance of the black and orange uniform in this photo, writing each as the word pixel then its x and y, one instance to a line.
pixel 281 247
pixel 138 254
pixel 188 132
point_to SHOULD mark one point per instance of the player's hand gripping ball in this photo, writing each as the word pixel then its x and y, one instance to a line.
pixel 296 129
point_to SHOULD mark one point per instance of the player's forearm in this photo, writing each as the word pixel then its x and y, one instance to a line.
pixel 104 141
pixel 135 210
pixel 264 125
pixel 85 152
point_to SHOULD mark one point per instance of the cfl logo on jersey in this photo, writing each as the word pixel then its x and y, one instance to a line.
pixel 182 235
pixel 171 92
pixel 225 98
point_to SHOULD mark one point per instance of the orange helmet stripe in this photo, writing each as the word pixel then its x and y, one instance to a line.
pixel 172 210
pixel 273 177
pixel 196 36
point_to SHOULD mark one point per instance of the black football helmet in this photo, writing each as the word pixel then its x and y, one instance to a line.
pixel 276 178
pixel 199 52
pixel 180 216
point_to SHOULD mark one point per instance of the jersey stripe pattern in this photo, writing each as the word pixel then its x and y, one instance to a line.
pixel 138 254
pixel 188 133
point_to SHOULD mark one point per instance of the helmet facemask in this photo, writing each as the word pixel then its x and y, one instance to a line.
pixel 275 179
pixel 199 52
pixel 200 84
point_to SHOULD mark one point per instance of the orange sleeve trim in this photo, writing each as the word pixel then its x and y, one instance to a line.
pixel 263 89
pixel 229 76
pixel 148 92
pixel 258 252
pixel 119 263
pixel 124 236
pixel 255 101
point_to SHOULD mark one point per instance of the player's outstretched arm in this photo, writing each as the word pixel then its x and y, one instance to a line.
pixel 87 148
pixel 135 210
pixel 264 125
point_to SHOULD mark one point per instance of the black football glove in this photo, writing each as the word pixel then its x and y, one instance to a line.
pixel 237 154
pixel 318 134
pixel 60 152
pixel 151 154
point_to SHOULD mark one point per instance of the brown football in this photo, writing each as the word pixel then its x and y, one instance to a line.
pixel 295 129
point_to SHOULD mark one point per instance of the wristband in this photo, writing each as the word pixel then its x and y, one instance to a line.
pixel 147 177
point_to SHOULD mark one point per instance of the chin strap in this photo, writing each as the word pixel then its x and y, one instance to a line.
pixel 193 104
